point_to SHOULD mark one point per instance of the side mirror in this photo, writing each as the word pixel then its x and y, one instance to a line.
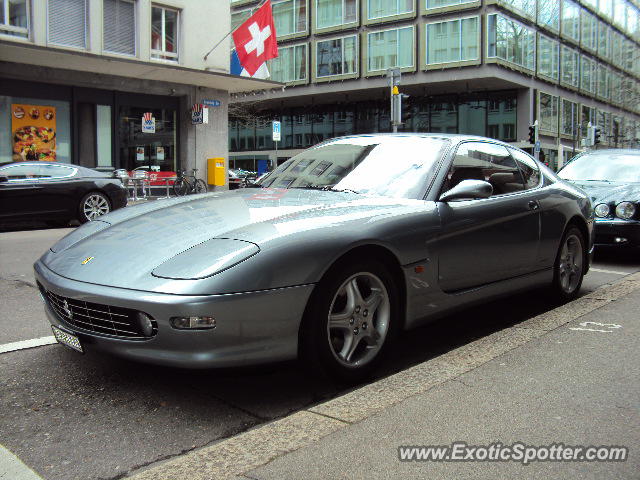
pixel 467 190
pixel 3 179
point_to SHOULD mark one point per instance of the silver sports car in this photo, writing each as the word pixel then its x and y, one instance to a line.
pixel 326 258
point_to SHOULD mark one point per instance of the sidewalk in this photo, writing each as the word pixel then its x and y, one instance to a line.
pixel 568 376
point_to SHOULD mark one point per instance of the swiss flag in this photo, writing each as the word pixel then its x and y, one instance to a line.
pixel 255 39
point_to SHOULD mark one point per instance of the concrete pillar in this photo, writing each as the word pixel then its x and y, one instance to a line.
pixel 525 113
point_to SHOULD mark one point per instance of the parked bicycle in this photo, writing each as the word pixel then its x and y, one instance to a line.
pixel 186 184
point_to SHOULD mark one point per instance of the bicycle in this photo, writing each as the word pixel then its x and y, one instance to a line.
pixel 185 185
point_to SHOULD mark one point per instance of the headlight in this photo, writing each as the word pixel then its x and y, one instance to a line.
pixel 602 210
pixel 625 210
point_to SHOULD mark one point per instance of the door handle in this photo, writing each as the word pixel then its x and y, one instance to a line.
pixel 533 205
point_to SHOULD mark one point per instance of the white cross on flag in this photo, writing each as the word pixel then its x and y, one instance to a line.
pixel 255 39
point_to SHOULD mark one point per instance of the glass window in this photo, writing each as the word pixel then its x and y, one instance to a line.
pixel 453 41
pixel 68 22
pixel 571 20
pixel 606 7
pixel 484 161
pixel 511 41
pixel 445 3
pixel 569 118
pixel 164 33
pixel 390 48
pixel 604 36
pixel 616 88
pixel 56 171
pixel 290 65
pixel 548 112
pixel 588 27
pixel 570 67
pixel 548 57
pixel 333 13
pixel 501 118
pixel 629 55
pixel 355 164
pixel 337 57
pixel 549 13
pixel 526 8
pixel 119 26
pixel 388 8
pixel 290 16
pixel 604 81
pixel 528 168
pixel 238 17
pixel 587 74
pixel 26 171
pixel 14 18
pixel 616 48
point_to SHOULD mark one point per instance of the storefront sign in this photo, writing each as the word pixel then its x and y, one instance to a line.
pixel 159 153
pixel 33 130
pixel 211 103
pixel 199 114
pixel 148 123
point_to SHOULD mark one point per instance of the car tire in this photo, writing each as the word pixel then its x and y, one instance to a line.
pixel 201 187
pixel 351 320
pixel 92 206
pixel 568 269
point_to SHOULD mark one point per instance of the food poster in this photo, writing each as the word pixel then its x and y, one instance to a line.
pixel 33 130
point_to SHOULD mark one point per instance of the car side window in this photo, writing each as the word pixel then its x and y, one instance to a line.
pixel 56 171
pixel 485 161
pixel 528 167
pixel 21 172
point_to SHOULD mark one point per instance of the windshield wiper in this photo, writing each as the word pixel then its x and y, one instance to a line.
pixel 341 190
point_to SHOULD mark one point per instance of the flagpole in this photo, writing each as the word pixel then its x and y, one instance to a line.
pixel 230 32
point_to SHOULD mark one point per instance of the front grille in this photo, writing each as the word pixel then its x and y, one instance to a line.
pixel 98 318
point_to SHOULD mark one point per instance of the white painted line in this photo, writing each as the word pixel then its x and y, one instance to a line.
pixel 600 270
pixel 11 468
pixel 34 342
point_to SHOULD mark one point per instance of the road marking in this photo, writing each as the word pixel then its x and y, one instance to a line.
pixel 12 468
pixel 600 270
pixel 610 326
pixel 34 342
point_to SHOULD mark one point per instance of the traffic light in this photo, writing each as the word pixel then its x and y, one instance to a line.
pixel 596 135
pixel 533 132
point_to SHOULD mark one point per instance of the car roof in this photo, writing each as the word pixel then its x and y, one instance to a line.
pixel 454 137
pixel 82 171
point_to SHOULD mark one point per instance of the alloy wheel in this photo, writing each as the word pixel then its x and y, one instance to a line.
pixel 95 205
pixel 571 264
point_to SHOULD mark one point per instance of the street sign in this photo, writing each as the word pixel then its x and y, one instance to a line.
pixel 199 114
pixel 148 123
pixel 211 103
pixel 394 75
pixel 536 147
pixel 276 129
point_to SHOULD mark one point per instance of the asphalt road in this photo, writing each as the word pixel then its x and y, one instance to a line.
pixel 71 416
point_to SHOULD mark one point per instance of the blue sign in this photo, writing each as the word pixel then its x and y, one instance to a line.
pixel 536 147
pixel 211 103
pixel 276 131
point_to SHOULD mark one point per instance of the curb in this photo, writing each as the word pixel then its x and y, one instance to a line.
pixel 249 450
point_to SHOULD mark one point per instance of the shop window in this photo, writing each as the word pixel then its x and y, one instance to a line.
pixel 164 33
pixel 119 27
pixel 290 16
pixel 334 13
pixel 388 8
pixel 14 18
pixel 510 41
pixel 290 65
pixel 390 48
pixel 68 23
pixel 453 41
pixel 337 57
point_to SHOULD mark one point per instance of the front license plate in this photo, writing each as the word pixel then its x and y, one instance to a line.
pixel 67 339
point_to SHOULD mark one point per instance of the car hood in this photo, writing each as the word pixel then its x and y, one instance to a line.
pixel 609 192
pixel 128 246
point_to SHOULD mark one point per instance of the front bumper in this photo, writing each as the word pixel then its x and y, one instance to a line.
pixel 251 328
pixel 617 233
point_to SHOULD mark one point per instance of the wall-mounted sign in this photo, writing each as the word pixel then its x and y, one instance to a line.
pixel 211 103
pixel 199 114
pixel 148 123
pixel 34 132
pixel 276 129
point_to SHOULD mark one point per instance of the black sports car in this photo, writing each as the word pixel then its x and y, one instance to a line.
pixel 57 192
pixel 612 179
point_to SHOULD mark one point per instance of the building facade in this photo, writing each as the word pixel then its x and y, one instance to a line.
pixel 485 67
pixel 80 75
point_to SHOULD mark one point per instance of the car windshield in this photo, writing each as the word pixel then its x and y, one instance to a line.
pixel 606 167
pixel 398 166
